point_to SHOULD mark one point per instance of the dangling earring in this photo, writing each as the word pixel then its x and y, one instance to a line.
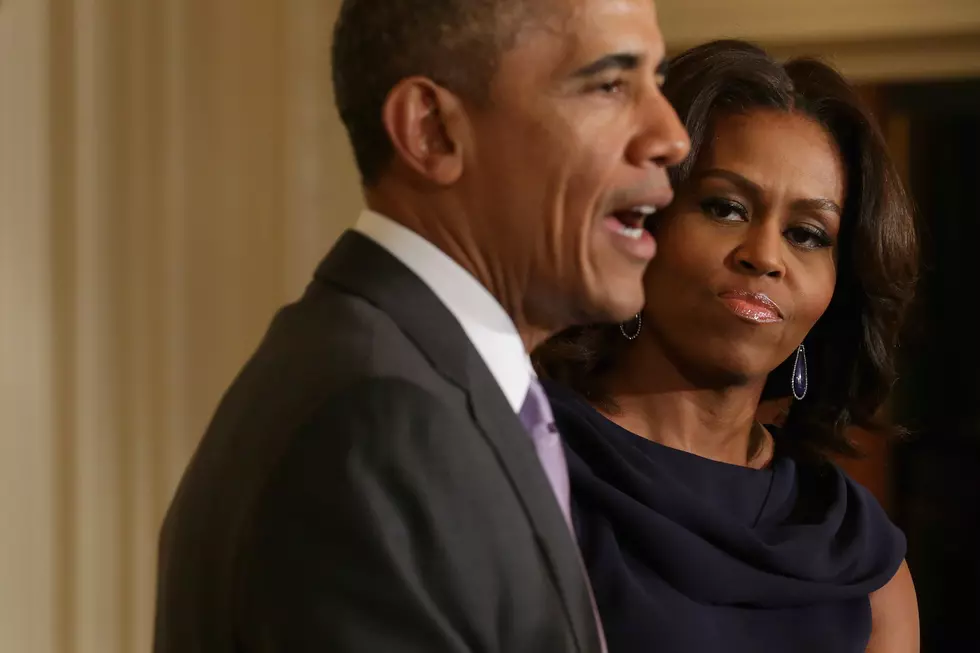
pixel 639 326
pixel 799 381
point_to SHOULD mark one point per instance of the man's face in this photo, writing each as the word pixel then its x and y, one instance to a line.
pixel 569 159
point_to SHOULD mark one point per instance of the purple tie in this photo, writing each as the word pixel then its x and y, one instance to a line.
pixel 537 418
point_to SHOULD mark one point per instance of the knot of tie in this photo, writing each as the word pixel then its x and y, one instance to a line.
pixel 535 413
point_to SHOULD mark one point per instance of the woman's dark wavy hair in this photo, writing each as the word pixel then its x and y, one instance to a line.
pixel 851 351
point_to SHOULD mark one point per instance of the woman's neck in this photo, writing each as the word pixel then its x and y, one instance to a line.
pixel 655 401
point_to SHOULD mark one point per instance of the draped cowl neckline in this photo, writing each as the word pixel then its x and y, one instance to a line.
pixel 663 526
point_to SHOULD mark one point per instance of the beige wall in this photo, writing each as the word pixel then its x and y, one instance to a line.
pixel 170 171
pixel 799 21
pixel 27 434
pixel 870 40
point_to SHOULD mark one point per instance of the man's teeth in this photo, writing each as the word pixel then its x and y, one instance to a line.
pixel 634 233
pixel 644 211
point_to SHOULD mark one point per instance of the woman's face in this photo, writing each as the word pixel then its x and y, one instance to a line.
pixel 746 260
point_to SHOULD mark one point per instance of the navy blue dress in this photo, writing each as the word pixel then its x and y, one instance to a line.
pixel 688 555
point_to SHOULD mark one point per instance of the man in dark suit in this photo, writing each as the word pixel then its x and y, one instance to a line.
pixel 383 475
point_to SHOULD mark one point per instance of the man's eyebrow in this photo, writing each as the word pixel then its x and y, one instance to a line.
pixel 616 61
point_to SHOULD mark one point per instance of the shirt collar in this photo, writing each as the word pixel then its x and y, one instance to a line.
pixel 484 320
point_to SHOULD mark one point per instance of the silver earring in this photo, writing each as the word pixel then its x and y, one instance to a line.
pixel 639 326
pixel 800 378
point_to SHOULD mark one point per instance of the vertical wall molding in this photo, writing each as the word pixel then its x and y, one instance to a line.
pixel 176 172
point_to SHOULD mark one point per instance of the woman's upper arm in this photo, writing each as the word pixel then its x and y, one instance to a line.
pixel 895 616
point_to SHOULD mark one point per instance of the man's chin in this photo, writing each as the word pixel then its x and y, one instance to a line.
pixel 614 305
pixel 598 303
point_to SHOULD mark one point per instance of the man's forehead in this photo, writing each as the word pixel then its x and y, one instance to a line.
pixel 585 24
pixel 573 32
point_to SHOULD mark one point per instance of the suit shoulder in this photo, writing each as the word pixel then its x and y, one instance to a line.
pixel 330 337
pixel 387 417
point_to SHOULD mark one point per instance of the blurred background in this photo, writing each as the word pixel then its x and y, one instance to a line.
pixel 172 170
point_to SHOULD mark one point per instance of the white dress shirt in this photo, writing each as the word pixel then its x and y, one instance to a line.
pixel 486 323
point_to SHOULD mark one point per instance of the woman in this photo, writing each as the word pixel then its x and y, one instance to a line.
pixel 784 267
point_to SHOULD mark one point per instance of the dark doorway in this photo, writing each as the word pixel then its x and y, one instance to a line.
pixel 935 476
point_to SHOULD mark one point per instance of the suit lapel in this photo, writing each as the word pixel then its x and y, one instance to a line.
pixel 516 453
pixel 359 266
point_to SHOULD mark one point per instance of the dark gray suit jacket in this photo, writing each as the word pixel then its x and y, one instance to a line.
pixel 365 486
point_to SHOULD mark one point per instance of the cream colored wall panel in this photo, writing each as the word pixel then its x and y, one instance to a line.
pixel 96 277
pixel 170 173
pixel 28 610
pixel 897 60
pixel 323 192
pixel 686 22
pixel 869 40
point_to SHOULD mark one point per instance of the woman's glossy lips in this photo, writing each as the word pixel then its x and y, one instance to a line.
pixel 756 308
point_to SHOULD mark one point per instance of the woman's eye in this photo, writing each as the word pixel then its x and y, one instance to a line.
pixel 809 237
pixel 723 209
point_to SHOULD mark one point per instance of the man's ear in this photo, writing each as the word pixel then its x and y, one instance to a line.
pixel 426 125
